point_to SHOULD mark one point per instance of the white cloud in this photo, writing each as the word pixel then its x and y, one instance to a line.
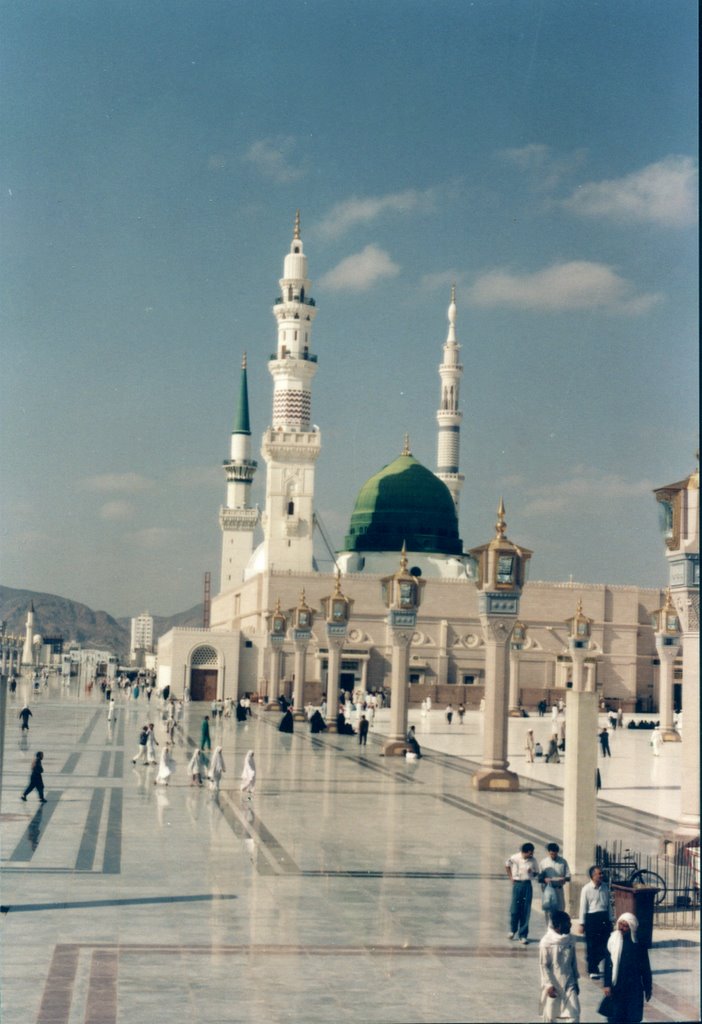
pixel 275 159
pixel 106 483
pixel 363 210
pixel 578 284
pixel 588 488
pixel 114 511
pixel 360 271
pixel 546 168
pixel 154 537
pixel 662 193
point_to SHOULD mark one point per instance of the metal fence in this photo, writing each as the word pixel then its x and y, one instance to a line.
pixel 675 872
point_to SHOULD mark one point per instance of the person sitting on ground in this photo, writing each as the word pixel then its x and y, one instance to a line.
pixel 317 723
pixel 412 742
pixel 343 727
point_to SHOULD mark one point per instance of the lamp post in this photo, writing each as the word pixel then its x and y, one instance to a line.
pixel 501 568
pixel 401 594
pixel 667 633
pixel 516 645
pixel 680 505
pixel 303 617
pixel 337 611
pixel 277 631
pixel 580 792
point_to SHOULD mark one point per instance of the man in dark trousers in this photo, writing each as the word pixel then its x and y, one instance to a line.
pixel 604 743
pixel 25 714
pixel 363 731
pixel 35 779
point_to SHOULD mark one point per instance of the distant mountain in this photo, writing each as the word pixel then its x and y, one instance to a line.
pixel 75 622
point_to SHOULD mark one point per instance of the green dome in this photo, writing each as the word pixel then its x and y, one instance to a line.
pixel 404 502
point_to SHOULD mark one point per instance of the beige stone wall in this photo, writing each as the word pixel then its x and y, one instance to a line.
pixel 448 643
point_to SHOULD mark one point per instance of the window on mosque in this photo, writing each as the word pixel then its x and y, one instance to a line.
pixel 291 508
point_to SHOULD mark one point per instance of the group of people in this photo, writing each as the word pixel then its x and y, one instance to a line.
pixel 618 957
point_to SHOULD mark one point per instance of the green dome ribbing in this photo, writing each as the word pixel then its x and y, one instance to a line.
pixel 404 502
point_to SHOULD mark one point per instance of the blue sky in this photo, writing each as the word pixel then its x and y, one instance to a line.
pixel 542 154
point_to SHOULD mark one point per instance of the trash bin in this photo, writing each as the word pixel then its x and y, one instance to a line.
pixel 638 900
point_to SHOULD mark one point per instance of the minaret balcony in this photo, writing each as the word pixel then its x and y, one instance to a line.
pixel 308 357
pixel 238 518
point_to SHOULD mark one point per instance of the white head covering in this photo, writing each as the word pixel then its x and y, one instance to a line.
pixel 248 774
pixel 218 760
pixel 616 941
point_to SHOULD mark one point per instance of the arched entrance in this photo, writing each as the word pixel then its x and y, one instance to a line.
pixel 204 668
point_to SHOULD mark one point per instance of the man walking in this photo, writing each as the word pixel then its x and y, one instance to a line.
pixel 25 714
pixel 521 869
pixel 559 971
pixel 35 779
pixel 363 731
pixel 205 741
pixel 595 919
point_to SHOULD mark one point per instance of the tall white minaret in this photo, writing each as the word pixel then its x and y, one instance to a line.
pixel 238 518
pixel 28 646
pixel 449 415
pixel 291 445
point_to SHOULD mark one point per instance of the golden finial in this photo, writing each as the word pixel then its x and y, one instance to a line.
pixel 243 361
pixel 403 557
pixel 668 606
pixel 407 450
pixel 296 233
pixel 337 591
pixel 501 525
pixel 453 293
pixel 302 596
pixel 277 606
pixel 579 609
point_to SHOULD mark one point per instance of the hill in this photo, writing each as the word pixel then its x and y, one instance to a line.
pixel 76 622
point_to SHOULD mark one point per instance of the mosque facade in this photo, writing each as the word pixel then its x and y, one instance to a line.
pixel 404 504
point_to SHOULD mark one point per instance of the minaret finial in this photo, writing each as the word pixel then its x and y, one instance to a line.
pixel 337 592
pixel 296 233
pixel 453 294
pixel 277 605
pixel 579 609
pixel 501 525
pixel 243 361
pixel 406 450
pixel 403 557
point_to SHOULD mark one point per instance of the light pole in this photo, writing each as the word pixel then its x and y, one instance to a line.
pixel 401 594
pixel 516 645
pixel 680 506
pixel 303 617
pixel 277 631
pixel 501 567
pixel 667 633
pixel 580 791
pixel 337 611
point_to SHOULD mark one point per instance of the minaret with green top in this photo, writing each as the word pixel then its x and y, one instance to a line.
pixel 238 518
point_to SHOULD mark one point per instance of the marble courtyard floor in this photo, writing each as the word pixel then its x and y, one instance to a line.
pixel 352 888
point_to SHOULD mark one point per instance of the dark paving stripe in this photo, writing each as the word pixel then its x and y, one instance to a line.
pixel 88 843
pixel 138 901
pixel 247 824
pixel 104 767
pixel 58 991
pixel 101 1005
pixel 495 818
pixel 112 861
pixel 70 765
pixel 118 764
pixel 25 848
pixel 321 872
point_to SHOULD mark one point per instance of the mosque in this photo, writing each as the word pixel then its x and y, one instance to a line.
pixel 265 587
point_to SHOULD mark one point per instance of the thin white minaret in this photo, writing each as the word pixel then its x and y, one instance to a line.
pixel 28 646
pixel 238 518
pixel 449 415
pixel 291 445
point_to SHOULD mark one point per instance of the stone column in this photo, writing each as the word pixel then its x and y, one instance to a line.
pixel 514 683
pixel 688 613
pixel 399 700
pixel 275 660
pixel 580 793
pixel 334 665
pixel 667 653
pixel 493 773
pixel 298 708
